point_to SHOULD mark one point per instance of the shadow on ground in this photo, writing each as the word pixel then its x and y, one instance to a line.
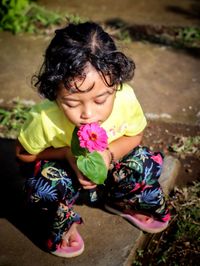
pixel 193 12
pixel 13 207
pixel 12 196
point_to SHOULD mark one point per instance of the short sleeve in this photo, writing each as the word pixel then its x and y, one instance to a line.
pixel 127 117
pixel 136 119
pixel 32 134
pixel 132 111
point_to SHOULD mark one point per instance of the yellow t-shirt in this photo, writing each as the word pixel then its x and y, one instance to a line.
pixel 47 125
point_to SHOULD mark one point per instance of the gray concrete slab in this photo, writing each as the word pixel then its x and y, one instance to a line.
pixel 169 174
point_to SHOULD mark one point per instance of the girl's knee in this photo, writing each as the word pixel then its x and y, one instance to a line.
pixel 50 183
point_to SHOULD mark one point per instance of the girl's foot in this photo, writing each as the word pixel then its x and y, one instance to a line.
pixel 72 244
pixel 141 217
pixel 70 238
pixel 143 222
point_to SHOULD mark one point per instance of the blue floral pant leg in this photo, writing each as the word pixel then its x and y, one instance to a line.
pixel 133 183
pixel 52 189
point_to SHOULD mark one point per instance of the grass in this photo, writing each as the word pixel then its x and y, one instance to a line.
pixel 189 34
pixel 20 16
pixel 12 119
pixel 186 146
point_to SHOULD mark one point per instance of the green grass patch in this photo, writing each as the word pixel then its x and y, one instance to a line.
pixel 187 146
pixel 189 34
pixel 20 16
pixel 12 119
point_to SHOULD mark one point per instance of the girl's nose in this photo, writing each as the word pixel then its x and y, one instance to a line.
pixel 86 113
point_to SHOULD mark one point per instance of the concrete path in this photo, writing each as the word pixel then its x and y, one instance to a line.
pixel 167 82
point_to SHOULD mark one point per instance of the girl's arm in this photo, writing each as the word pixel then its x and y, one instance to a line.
pixel 124 145
pixel 48 154
pixel 120 147
pixel 51 153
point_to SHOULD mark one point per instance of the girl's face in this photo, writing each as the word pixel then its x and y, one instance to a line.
pixel 93 104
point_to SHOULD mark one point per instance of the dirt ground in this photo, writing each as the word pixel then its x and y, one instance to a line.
pixel 162 136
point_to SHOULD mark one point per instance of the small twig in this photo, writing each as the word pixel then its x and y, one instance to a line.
pixel 190 203
pixel 196 223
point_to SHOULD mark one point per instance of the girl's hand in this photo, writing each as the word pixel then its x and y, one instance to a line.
pixel 85 182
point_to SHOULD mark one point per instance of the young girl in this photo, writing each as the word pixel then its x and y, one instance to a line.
pixel 83 80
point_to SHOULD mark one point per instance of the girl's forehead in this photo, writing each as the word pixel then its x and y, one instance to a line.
pixel 91 86
pixel 89 79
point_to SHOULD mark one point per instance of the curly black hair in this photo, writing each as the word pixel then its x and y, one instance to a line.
pixel 71 49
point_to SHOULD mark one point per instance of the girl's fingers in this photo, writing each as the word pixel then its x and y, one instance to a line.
pixel 89 187
pixel 87 184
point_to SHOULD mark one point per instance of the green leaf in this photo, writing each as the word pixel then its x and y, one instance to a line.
pixel 75 144
pixel 93 167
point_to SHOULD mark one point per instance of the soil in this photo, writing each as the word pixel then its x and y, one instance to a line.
pixel 161 136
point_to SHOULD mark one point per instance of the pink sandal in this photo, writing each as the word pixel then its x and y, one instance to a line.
pixel 70 252
pixel 151 226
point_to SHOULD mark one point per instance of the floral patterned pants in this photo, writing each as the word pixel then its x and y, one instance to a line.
pixel 132 183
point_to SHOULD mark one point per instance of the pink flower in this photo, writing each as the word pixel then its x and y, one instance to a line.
pixel 92 137
pixel 157 158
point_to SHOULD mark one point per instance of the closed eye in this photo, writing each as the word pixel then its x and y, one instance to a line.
pixel 72 104
pixel 100 102
pixel 101 99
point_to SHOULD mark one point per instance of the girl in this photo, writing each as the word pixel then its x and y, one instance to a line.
pixel 83 79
